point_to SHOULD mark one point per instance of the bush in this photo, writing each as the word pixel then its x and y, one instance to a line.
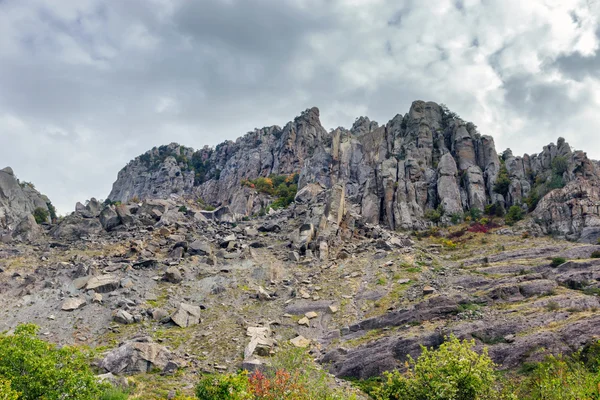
pixel 514 215
pixel 556 261
pixel 292 376
pixel 560 165
pixel 454 371
pixel 40 370
pixel 224 387
pixel 559 378
pixel 495 210
pixel 435 216
pixel 6 392
pixel 475 213
pixel 41 215
pixel 502 183
pixel 114 394
pixel 183 209
pixel 456 218
pixel 596 254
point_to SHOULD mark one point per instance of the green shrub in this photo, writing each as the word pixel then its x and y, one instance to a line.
pixel 224 387
pixel 52 211
pixel 435 216
pixel 456 218
pixel 559 378
pixel 514 215
pixel 453 371
pixel 475 213
pixel 502 183
pixel 560 165
pixel 40 215
pixel 183 209
pixel 556 261
pixel 40 370
pixel 114 394
pixel 596 254
pixel 6 392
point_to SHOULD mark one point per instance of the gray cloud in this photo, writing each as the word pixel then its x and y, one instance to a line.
pixel 86 85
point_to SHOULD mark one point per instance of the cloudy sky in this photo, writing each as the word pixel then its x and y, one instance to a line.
pixel 87 85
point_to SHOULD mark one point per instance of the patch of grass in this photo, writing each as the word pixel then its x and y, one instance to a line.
pixel 552 306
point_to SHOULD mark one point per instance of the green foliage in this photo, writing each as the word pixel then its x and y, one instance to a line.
pixel 224 387
pixel 40 215
pixel 6 392
pixel 514 215
pixel 495 209
pixel 453 371
pixel 456 218
pixel 435 216
pixel 283 187
pixel 556 182
pixel 183 209
pixel 475 213
pixel 560 165
pixel 114 394
pixel 52 211
pixel 556 261
pixel 559 378
pixel 502 183
pixel 596 254
pixel 291 369
pixel 40 370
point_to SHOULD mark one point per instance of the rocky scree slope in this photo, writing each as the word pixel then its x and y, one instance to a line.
pixel 391 175
pixel 164 285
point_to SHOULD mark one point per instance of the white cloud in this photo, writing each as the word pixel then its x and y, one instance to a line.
pixel 85 86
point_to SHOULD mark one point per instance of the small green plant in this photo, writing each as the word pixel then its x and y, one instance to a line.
pixel 435 216
pixel 224 387
pixel 114 394
pixel 556 261
pixel 183 209
pixel 475 213
pixel 456 218
pixel 41 215
pixel 514 215
pixel 453 371
pixel 552 306
pixel 596 254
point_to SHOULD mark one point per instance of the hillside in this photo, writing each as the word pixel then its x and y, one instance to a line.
pixel 358 245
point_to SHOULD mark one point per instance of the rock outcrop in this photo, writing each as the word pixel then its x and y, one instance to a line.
pixel 18 200
pixel 394 175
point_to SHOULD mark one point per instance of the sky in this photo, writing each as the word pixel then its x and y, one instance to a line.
pixel 87 85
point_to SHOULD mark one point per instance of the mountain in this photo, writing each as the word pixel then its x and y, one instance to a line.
pixel 358 245
pixel 396 175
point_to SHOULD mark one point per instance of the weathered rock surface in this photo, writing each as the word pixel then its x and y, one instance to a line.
pixel 17 199
pixel 186 315
pixel 139 355
pixel 389 175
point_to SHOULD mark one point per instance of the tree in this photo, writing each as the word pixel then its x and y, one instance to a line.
pixel 453 371
pixel 40 370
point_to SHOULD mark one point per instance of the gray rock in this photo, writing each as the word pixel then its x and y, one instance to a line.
pixel 73 303
pixel 109 219
pixel 135 356
pixel 18 200
pixel 200 247
pixel 103 283
pixel 173 275
pixel 186 315
pixel 123 317
pixel 27 230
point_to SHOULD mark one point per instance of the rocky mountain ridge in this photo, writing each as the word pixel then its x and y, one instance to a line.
pixel 391 175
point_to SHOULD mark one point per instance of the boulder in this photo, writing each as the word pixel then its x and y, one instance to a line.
pixel 186 315
pixel 28 230
pixel 138 355
pixel 73 303
pixel 103 283
pixel 109 219
pixel 199 247
pixel 173 275
pixel 123 317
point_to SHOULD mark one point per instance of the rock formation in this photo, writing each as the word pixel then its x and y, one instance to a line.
pixel 18 200
pixel 391 174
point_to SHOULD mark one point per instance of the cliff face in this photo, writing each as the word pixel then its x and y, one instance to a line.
pixel 17 200
pixel 391 175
